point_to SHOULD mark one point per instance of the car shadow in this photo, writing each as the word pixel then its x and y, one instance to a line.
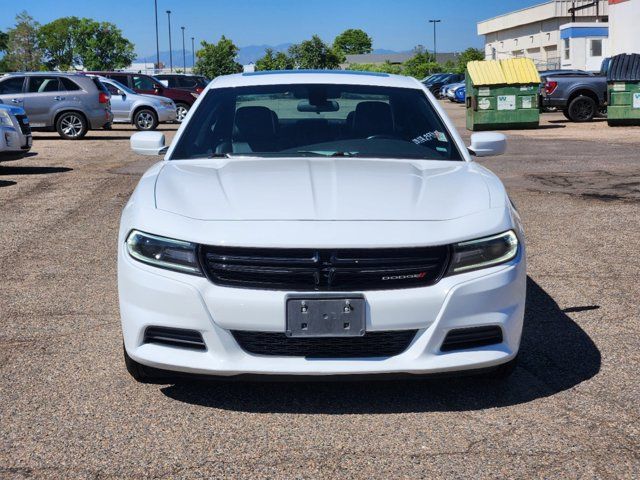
pixel 29 170
pixel 599 119
pixel 6 183
pixel 36 138
pixel 555 355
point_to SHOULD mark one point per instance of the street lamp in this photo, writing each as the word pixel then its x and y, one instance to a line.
pixel 435 54
pixel 155 4
pixel 170 51
pixel 184 55
pixel 193 54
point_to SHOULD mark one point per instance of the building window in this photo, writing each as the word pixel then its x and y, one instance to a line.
pixel 596 48
pixel 567 52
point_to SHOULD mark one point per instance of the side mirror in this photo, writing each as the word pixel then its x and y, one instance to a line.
pixel 157 88
pixel 488 144
pixel 121 93
pixel 148 143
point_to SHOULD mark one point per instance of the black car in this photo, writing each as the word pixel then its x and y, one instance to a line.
pixel 436 82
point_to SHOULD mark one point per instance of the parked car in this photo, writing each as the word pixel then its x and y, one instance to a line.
pixel 450 90
pixel 461 94
pixel 435 84
pixel 319 223
pixel 15 133
pixel 579 95
pixel 70 103
pixel 191 83
pixel 143 111
pixel 149 85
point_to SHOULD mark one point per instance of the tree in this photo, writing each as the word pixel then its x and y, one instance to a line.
pixel 353 41
pixel 60 41
pixel 23 50
pixel 315 54
pixel 469 55
pixel 4 38
pixel 101 46
pixel 274 61
pixel 421 64
pixel 215 59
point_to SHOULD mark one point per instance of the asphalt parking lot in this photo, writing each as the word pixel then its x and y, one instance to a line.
pixel 68 408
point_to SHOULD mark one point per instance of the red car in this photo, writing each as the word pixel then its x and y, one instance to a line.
pixel 181 81
pixel 142 83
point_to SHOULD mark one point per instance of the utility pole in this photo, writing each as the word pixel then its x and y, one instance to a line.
pixel 184 55
pixel 155 4
pixel 170 50
pixel 193 54
pixel 435 54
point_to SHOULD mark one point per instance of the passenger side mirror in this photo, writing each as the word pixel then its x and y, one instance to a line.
pixel 488 144
pixel 121 93
pixel 148 143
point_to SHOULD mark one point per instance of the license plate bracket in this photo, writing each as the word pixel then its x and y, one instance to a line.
pixel 326 316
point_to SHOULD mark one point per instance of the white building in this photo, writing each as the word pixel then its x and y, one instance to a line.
pixel 535 32
pixel 624 20
pixel 583 45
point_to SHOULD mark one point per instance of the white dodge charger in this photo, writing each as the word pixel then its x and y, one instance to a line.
pixel 319 223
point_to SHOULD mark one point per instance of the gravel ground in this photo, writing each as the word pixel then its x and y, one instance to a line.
pixel 68 409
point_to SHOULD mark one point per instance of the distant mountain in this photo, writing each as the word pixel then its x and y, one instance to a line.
pixel 248 54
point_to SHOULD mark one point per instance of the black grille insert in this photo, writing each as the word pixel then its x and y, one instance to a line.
pixel 177 337
pixel 372 344
pixel 24 127
pixel 326 269
pixel 463 338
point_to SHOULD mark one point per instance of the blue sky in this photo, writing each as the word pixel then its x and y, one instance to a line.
pixel 393 24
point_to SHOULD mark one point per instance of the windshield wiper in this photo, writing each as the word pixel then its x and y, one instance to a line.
pixel 322 153
pixel 220 155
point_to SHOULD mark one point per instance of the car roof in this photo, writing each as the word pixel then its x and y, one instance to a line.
pixel 66 74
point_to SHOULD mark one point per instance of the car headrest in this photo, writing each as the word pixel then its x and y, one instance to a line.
pixel 373 118
pixel 255 122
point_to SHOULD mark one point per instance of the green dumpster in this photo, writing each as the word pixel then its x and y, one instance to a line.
pixel 502 94
pixel 623 80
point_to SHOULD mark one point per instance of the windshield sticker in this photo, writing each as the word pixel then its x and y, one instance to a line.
pixel 429 137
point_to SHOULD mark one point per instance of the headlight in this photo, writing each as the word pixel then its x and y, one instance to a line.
pixel 167 103
pixel 194 94
pixel 163 252
pixel 5 118
pixel 484 252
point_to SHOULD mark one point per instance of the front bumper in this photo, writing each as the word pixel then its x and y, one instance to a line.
pixel 155 297
pixel 14 142
pixel 166 114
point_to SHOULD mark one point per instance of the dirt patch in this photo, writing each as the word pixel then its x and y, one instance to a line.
pixel 598 185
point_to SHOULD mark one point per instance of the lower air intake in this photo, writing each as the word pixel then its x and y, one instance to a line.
pixel 372 344
pixel 464 338
pixel 176 337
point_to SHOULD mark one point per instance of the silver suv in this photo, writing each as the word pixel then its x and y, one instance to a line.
pixel 70 103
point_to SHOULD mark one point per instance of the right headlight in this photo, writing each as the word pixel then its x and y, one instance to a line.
pixel 5 118
pixel 163 252
pixel 484 252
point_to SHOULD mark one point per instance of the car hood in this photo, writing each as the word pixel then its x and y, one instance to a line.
pixel 321 189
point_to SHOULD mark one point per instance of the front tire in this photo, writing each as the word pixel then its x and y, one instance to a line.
pixel 145 119
pixel 72 126
pixel 181 111
pixel 581 109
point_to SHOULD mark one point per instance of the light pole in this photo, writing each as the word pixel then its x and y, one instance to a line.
pixel 170 51
pixel 193 54
pixel 435 54
pixel 155 4
pixel 184 55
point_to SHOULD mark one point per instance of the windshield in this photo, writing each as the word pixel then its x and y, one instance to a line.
pixel 316 120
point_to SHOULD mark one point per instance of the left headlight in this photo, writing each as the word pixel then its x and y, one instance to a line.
pixel 484 252
pixel 164 252
pixel 168 103
pixel 5 118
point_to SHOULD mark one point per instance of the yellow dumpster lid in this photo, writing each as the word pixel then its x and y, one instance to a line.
pixel 500 72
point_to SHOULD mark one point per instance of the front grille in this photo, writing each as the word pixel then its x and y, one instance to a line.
pixel 463 338
pixel 372 344
pixel 24 127
pixel 176 337
pixel 324 270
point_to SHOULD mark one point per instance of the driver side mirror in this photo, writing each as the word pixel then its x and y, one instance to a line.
pixel 157 88
pixel 121 93
pixel 488 144
pixel 148 143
